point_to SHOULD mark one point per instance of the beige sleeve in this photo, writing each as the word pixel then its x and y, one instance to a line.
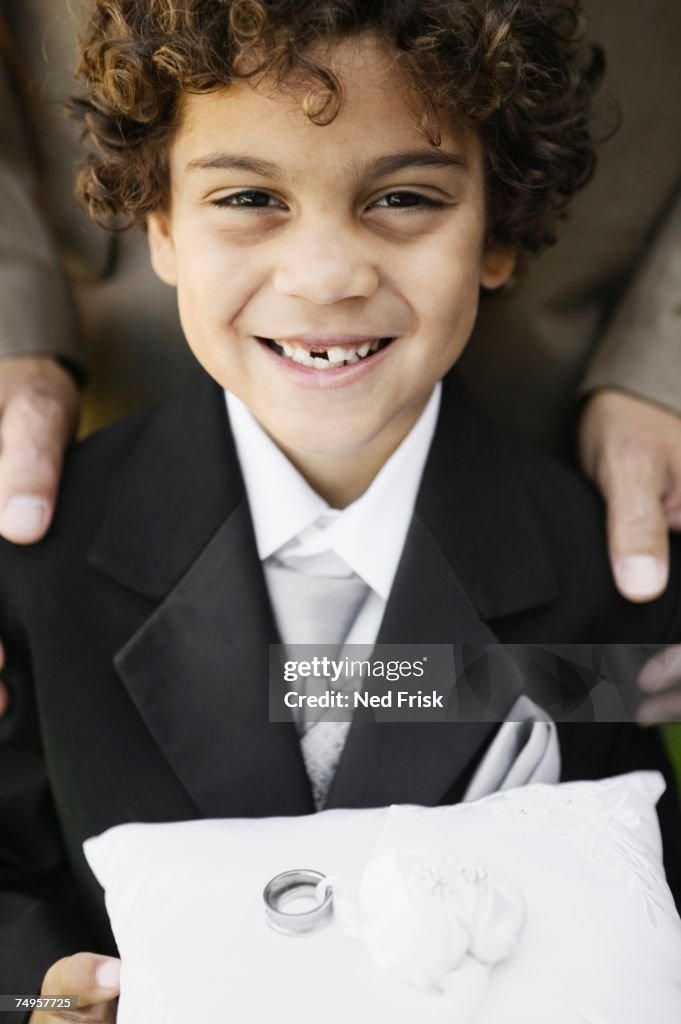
pixel 37 312
pixel 640 351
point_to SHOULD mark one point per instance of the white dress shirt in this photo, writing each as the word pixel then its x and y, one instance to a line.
pixel 297 528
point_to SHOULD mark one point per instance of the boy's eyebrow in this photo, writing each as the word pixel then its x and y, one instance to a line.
pixel 389 164
pixel 425 157
pixel 234 162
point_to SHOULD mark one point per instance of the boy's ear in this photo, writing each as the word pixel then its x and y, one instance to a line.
pixel 497 266
pixel 162 247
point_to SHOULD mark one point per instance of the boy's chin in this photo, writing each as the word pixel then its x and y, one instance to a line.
pixel 357 436
pixel 309 443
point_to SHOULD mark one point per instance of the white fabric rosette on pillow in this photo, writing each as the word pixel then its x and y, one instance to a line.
pixel 544 903
pixel 435 923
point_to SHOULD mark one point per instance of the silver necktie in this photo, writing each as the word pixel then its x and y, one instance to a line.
pixel 316 610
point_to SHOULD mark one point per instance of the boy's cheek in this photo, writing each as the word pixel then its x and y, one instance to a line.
pixel 448 295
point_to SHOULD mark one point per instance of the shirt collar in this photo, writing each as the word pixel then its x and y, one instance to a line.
pixel 369 534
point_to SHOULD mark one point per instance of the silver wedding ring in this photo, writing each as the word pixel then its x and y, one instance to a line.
pixel 305 889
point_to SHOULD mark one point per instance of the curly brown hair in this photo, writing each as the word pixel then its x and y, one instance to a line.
pixel 518 71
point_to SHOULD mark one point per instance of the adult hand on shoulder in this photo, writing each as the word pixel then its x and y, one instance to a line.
pixel 39 405
pixel 96 982
pixel 631 449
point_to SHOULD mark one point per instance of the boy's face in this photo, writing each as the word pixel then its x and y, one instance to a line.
pixel 285 239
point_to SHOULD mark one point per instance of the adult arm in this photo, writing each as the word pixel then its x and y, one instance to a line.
pixel 640 350
pixel 37 313
pixel 630 430
pixel 39 400
pixel 38 328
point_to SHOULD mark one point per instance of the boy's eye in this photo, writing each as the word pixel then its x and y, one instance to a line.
pixel 249 199
pixel 254 199
pixel 407 201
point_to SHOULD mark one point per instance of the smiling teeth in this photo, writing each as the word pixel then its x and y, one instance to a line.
pixel 336 355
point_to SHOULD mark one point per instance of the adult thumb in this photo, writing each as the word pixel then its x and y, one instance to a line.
pixel 94 979
pixel 638 533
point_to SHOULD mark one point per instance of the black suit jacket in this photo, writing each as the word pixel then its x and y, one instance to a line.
pixel 137 641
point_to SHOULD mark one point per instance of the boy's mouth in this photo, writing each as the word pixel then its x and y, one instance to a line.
pixel 326 357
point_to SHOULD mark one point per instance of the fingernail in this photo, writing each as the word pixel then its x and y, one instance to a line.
pixel 109 974
pixel 641 575
pixel 24 518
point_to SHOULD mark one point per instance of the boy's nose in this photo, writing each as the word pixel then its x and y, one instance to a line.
pixel 325 272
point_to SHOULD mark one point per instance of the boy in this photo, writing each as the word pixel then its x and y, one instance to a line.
pixel 328 186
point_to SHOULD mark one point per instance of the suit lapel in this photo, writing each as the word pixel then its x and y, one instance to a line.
pixel 390 763
pixel 197 671
pixel 474 502
pixel 197 668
